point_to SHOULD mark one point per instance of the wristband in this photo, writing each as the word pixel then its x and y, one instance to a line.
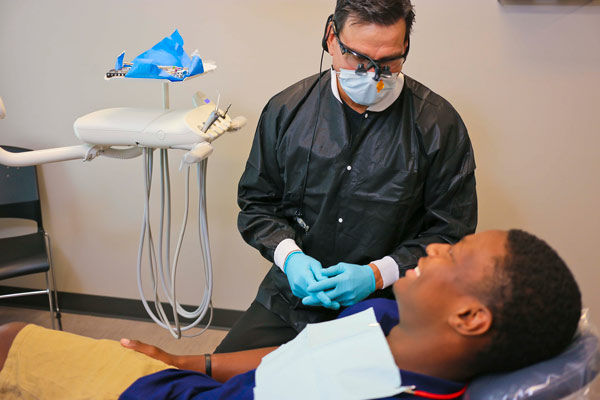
pixel 288 257
pixel 207 365
pixel 378 277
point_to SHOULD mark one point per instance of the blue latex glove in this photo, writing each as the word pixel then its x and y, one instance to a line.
pixel 347 284
pixel 303 270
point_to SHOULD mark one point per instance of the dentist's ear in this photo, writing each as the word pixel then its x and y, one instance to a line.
pixel 471 319
pixel 327 34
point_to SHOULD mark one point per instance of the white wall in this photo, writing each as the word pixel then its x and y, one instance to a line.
pixel 526 80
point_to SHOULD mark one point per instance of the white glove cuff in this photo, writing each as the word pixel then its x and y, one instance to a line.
pixel 390 272
pixel 285 247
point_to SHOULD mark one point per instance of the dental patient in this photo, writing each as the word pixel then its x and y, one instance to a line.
pixel 495 301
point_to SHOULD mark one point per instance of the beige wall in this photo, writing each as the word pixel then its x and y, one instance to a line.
pixel 526 80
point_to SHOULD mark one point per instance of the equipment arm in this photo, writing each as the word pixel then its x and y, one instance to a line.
pixel 35 157
pixel 26 159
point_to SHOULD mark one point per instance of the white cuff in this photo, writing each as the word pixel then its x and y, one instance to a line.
pixel 389 270
pixel 285 247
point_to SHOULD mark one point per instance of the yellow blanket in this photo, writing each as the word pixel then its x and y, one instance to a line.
pixel 48 364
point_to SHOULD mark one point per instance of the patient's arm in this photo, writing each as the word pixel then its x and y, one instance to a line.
pixel 224 365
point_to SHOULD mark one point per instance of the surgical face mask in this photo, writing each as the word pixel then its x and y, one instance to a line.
pixel 362 89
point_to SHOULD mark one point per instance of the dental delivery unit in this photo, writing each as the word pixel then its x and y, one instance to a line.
pixel 140 131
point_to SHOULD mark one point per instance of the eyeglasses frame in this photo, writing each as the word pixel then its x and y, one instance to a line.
pixel 376 64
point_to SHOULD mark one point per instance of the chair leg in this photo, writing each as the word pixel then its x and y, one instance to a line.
pixel 49 291
pixel 56 310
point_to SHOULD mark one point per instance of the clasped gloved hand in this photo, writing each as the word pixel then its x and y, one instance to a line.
pixel 302 271
pixel 347 284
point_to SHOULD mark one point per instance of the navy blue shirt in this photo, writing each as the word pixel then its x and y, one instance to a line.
pixel 178 384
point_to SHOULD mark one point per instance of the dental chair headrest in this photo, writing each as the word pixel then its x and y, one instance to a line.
pixel 552 379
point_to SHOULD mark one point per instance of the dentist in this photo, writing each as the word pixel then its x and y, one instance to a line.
pixel 352 173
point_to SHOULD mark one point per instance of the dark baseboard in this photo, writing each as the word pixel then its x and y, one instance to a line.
pixel 113 307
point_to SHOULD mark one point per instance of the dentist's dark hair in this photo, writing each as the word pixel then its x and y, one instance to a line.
pixel 380 12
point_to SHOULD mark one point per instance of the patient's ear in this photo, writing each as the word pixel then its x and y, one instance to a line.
pixel 471 319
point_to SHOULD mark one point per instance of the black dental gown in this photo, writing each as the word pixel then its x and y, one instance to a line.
pixel 387 185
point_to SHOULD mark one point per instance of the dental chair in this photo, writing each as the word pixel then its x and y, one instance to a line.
pixel 571 375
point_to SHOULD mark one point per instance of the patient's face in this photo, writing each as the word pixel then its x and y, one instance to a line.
pixel 447 274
